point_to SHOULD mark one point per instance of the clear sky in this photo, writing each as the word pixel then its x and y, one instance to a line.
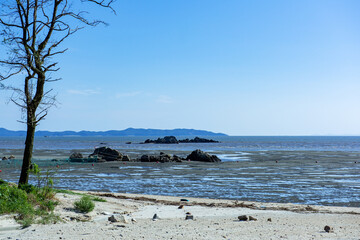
pixel 280 67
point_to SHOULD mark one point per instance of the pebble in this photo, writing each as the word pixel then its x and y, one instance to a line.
pixel 328 229
pixel 269 220
pixel 112 219
pixel 155 217
pixel 189 217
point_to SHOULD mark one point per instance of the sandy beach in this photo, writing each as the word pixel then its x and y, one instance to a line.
pixel 212 219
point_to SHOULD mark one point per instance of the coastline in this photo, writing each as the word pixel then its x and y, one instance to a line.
pixel 213 219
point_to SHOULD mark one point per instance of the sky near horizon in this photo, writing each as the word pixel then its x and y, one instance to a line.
pixel 239 67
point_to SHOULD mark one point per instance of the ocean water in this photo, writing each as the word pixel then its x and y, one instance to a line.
pixel 305 170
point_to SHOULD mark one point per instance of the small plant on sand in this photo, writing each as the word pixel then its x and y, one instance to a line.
pixel 84 205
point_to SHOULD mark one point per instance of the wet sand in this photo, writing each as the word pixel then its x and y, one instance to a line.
pixel 213 219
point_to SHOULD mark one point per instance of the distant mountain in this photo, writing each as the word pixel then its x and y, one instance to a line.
pixel 127 132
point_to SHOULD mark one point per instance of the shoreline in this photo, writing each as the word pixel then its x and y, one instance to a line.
pixel 213 219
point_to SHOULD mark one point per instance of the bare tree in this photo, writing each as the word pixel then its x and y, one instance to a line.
pixel 32 32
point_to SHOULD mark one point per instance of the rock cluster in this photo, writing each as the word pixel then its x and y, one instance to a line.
pixel 173 140
pixel 105 154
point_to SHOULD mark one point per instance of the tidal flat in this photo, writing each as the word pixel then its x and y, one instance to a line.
pixel 328 178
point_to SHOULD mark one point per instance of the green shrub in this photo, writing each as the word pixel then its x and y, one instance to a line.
pixel 14 200
pixel 84 205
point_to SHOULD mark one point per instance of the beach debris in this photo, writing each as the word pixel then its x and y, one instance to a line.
pixel 251 218
pixel 269 220
pixel 183 200
pixel 181 207
pixel 189 217
pixel 243 218
pixel 155 217
pixel 328 229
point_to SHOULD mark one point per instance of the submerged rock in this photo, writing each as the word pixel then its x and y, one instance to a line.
pixel 201 156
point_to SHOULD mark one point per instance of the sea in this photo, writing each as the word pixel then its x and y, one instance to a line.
pixel 316 170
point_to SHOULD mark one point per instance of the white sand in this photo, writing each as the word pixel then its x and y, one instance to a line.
pixel 213 219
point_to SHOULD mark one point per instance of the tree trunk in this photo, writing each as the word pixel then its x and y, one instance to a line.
pixel 29 144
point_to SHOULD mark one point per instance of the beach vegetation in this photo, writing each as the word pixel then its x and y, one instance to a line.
pixel 84 205
pixel 31 203
pixel 32 33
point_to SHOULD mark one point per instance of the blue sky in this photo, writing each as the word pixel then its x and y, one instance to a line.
pixel 240 67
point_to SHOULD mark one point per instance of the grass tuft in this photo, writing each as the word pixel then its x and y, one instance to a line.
pixel 85 204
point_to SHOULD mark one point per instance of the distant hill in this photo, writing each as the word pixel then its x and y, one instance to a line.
pixel 127 132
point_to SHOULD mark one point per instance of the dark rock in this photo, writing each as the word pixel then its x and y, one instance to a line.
pixel 125 158
pixel 184 200
pixel 181 207
pixel 243 218
pixel 112 219
pixel 201 156
pixel 155 217
pixel 128 142
pixel 11 157
pixel 107 154
pixel 76 155
pixel 4 158
pixel 328 229
pixel 189 217
pixel 177 158
pixel 269 220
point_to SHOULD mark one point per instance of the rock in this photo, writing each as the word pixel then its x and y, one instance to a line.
pixel 243 218
pixel 181 207
pixel 76 155
pixel 201 156
pixel 252 218
pixel 125 158
pixel 112 219
pixel 107 154
pixel 164 140
pixel 269 220
pixel 198 140
pixel 155 217
pixel 4 158
pixel 328 229
pixel 184 200
pixel 11 157
pixel 189 217
pixel 145 158
pixel 177 158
